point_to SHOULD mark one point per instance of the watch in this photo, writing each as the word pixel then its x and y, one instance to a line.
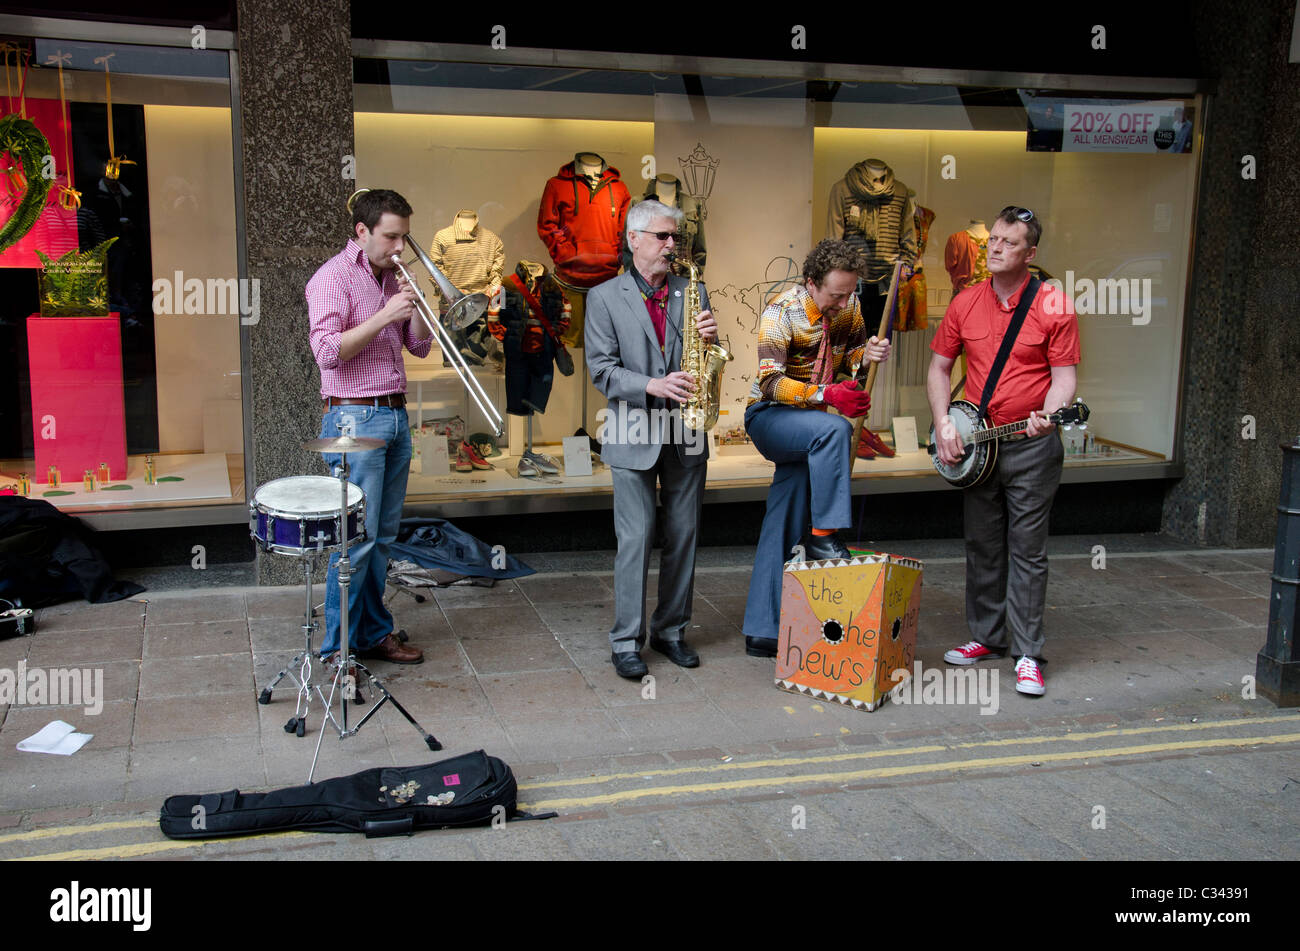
pixel 819 396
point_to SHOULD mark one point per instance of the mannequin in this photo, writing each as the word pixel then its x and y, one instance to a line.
pixel 590 166
pixel 530 352
pixel 912 292
pixel 668 189
pixel 873 212
pixel 580 220
pixel 965 256
pixel 473 259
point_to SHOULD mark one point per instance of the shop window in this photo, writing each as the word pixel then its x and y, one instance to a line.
pixel 128 385
pixel 758 159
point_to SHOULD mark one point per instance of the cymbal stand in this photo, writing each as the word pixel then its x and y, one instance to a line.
pixel 344 684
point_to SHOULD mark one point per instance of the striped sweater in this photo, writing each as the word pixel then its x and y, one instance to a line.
pixel 881 227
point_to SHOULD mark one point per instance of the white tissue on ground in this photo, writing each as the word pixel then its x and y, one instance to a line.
pixel 59 738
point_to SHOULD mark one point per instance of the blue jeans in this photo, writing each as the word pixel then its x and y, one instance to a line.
pixel 381 475
pixel 811 452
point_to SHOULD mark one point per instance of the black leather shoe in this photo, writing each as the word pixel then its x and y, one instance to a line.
pixel 677 652
pixel 629 664
pixel 824 547
pixel 760 646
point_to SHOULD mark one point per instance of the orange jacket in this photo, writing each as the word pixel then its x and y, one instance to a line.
pixel 582 229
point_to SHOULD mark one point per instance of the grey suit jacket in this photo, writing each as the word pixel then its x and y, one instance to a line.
pixel 622 356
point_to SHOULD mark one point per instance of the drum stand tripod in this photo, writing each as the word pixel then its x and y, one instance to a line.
pixel 343 685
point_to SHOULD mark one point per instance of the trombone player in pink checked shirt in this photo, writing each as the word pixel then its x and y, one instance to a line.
pixel 361 318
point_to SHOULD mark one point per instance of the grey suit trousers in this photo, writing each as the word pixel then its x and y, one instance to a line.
pixel 682 493
pixel 1006 545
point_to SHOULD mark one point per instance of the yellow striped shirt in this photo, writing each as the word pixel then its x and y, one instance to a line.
pixel 789 337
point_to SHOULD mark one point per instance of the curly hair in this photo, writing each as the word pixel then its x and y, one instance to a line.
pixel 831 255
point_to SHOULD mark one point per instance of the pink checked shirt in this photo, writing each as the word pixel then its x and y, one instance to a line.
pixel 344 294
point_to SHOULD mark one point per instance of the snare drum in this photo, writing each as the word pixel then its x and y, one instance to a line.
pixel 300 514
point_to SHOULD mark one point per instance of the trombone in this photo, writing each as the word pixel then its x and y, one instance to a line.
pixel 450 349
pixel 464 310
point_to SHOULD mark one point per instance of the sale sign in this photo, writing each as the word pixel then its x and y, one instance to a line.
pixel 1148 127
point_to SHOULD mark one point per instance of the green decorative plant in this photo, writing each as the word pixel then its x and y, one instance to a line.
pixel 27 148
pixel 76 285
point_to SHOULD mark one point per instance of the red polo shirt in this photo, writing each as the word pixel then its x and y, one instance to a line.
pixel 976 322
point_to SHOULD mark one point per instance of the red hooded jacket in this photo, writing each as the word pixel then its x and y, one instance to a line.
pixel 582 229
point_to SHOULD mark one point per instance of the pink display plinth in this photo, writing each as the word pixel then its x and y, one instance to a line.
pixel 78 410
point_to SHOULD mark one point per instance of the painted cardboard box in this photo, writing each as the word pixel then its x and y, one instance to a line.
pixel 846 626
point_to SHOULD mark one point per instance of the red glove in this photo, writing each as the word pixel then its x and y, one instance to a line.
pixel 848 398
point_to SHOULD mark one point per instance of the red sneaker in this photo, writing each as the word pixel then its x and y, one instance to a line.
pixel 472 454
pixel 1029 679
pixel 969 653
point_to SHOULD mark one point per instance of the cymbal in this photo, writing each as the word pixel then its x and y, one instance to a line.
pixel 343 444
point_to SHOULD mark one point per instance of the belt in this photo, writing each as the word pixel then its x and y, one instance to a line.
pixel 393 400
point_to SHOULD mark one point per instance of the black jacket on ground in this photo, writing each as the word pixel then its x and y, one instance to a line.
pixel 47 557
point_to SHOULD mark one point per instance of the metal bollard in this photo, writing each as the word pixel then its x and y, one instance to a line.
pixel 1277 666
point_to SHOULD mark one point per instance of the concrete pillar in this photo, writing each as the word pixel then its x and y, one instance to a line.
pixel 295 87
pixel 1243 326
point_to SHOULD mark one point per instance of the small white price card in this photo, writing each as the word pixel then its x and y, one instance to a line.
pixel 577 456
pixel 905 434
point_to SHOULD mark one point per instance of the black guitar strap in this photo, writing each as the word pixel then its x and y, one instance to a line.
pixel 1008 340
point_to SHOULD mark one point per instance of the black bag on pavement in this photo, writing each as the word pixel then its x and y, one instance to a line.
pixel 472 789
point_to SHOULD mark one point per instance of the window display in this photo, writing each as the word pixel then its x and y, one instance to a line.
pixel 884 168
pixel 120 298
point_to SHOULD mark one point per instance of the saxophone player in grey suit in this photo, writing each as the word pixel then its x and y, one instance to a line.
pixel 633 339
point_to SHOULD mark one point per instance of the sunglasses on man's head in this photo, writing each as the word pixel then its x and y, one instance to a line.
pixel 1024 214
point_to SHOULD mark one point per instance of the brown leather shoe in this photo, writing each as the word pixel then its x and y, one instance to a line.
pixel 393 651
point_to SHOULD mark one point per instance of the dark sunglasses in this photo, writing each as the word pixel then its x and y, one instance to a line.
pixel 661 235
pixel 1024 214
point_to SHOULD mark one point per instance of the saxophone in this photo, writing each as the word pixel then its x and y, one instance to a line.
pixel 702 361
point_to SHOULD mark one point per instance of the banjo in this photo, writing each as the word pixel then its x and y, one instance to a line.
pixel 981 442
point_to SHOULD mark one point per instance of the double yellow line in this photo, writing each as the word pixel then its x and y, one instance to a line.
pixel 738 776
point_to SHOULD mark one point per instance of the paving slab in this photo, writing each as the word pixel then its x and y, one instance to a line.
pixel 534 651
pixel 548 691
pixel 83 616
pixel 495 621
pixel 661 724
pixel 195 766
pixel 218 673
pixel 207 715
pixel 214 606
pixel 562 736
pixel 113 726
pixel 84 648
pixel 187 639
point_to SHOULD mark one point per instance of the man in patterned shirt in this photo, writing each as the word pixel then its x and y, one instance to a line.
pixel 805 337
pixel 361 318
